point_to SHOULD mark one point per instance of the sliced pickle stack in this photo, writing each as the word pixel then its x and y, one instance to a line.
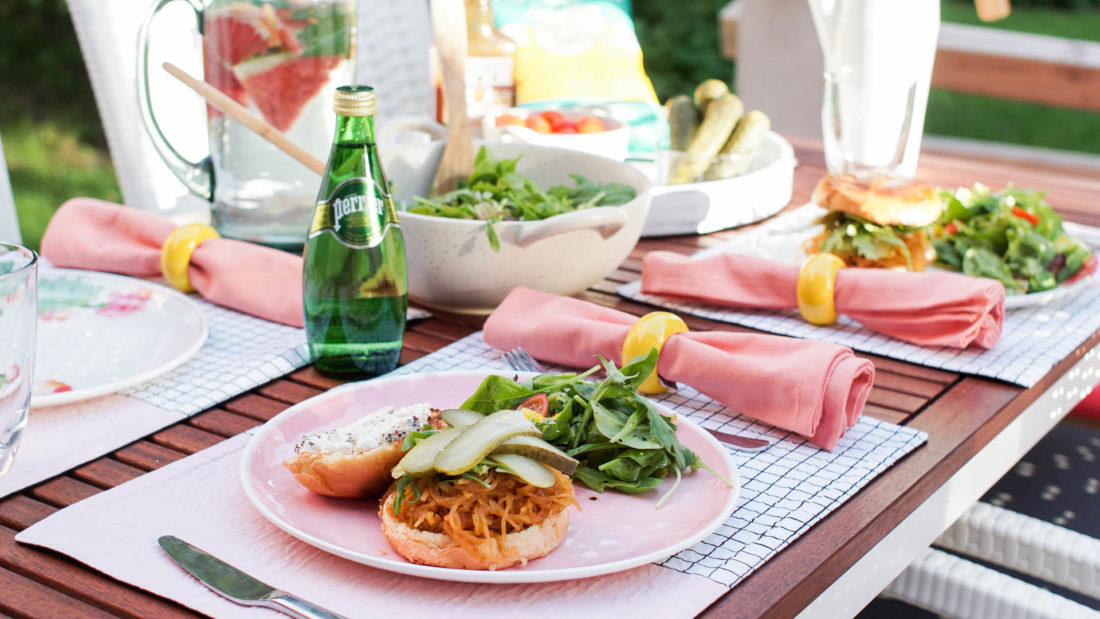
pixel 507 439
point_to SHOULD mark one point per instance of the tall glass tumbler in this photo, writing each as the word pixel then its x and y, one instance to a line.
pixel 18 324
pixel 878 68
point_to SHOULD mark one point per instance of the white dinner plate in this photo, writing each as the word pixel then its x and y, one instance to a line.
pixel 785 244
pixel 99 333
pixel 611 532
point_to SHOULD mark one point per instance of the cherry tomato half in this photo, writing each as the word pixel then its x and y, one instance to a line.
pixel 538 403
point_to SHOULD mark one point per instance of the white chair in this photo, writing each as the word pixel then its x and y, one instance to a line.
pixel 9 222
pixel 392 56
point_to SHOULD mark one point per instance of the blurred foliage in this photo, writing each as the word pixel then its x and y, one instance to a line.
pixel 680 44
pixel 53 140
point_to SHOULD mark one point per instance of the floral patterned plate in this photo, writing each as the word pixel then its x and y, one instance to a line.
pixel 99 333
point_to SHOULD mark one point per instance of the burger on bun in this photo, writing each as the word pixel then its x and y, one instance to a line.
pixel 877 222
pixel 485 493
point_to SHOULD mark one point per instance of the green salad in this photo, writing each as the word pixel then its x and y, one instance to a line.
pixel 496 192
pixel 621 440
pixel 1011 235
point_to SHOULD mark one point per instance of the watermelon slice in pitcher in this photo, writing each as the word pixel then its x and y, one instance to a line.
pixel 281 85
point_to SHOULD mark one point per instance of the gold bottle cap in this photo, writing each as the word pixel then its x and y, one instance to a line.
pixel 354 101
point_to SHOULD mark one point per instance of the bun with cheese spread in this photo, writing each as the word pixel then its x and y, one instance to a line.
pixel 876 222
pixel 355 461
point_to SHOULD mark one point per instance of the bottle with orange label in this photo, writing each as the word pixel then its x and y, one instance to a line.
pixel 490 66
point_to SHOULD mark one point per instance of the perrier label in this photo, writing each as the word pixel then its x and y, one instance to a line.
pixel 355 286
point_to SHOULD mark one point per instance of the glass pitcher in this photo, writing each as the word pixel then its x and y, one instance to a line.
pixel 281 59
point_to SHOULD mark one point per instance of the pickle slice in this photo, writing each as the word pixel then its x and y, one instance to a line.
pixel 529 470
pixel 477 441
pixel 460 417
pixel 420 460
pixel 538 449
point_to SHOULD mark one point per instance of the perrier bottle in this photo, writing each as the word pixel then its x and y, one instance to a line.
pixel 355 288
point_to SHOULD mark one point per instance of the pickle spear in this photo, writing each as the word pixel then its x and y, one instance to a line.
pixel 529 470
pixel 420 460
pixel 460 417
pixel 538 449
pixel 477 441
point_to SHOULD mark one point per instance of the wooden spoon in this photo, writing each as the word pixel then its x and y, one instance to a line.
pixel 449 30
pixel 238 112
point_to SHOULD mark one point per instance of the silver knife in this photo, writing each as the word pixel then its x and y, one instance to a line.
pixel 235 585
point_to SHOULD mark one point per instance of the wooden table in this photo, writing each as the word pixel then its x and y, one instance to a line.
pixel 966 419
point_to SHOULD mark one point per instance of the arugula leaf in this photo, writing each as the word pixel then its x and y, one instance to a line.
pixel 495 192
pixel 496 393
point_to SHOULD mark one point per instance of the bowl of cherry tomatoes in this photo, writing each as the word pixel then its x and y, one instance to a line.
pixel 583 129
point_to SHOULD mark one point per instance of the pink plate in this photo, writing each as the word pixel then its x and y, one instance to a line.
pixel 613 532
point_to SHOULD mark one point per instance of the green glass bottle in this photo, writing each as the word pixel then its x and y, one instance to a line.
pixel 355 287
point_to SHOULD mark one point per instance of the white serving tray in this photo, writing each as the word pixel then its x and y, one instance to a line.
pixel 702 208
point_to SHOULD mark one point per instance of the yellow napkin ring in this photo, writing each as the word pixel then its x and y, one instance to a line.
pixel 175 254
pixel 651 331
pixel 817 287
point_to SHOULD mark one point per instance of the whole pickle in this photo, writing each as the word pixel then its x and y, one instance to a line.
pixel 741 146
pixel 718 123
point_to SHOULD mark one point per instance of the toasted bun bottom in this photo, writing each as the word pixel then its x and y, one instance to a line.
pixel 889 202
pixel 354 476
pixel 428 548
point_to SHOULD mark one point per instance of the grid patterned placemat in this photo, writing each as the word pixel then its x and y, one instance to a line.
pixel 785 489
pixel 1033 339
pixel 241 352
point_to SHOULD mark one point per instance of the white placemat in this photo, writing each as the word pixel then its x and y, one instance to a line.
pixel 785 490
pixel 241 352
pixel 1032 341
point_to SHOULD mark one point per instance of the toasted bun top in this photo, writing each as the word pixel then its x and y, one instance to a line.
pixel 885 201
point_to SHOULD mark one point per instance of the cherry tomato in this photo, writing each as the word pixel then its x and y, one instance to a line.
pixel 590 124
pixel 508 119
pixel 1022 214
pixel 567 129
pixel 538 124
pixel 950 229
pixel 561 124
pixel 552 116
pixel 538 403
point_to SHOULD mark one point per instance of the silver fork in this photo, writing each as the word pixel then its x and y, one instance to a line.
pixel 519 359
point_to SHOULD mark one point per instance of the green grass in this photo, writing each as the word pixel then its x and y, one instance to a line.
pixel 48 164
pixel 1080 24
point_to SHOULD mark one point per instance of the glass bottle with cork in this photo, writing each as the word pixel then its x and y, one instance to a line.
pixel 355 284
pixel 490 66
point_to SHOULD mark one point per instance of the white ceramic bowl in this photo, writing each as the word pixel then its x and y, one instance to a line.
pixel 453 267
pixel 612 143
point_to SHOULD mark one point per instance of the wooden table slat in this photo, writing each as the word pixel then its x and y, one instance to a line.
pixel 20 511
pixel 223 423
pixel 23 597
pixel 106 473
pixel 73 579
pixel 186 438
pixel 147 456
pixel 255 406
pixel 288 391
pixel 63 491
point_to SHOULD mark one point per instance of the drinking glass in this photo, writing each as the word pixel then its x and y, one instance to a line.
pixel 18 322
pixel 878 67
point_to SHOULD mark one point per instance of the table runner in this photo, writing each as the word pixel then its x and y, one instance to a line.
pixel 241 352
pixel 1058 327
pixel 784 491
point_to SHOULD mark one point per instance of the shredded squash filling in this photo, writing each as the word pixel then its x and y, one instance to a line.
pixel 469 512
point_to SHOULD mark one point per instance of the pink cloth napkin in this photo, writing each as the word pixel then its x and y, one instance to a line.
pixel 96 235
pixel 927 309
pixel 815 389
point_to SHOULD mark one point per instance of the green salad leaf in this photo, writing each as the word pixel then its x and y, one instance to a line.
pixel 848 235
pixel 621 439
pixel 1011 235
pixel 496 192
